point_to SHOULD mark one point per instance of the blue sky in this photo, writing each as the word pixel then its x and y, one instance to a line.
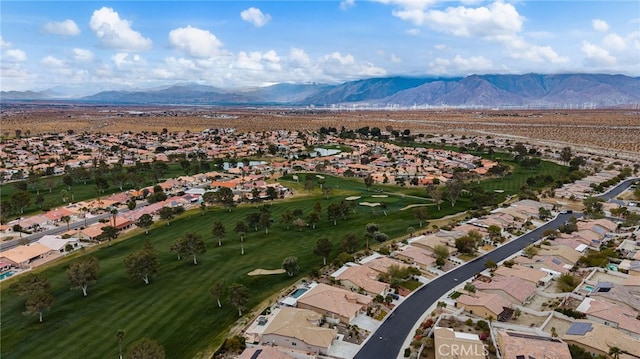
pixel 86 46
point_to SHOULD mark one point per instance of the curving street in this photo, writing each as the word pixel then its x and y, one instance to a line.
pixel 387 341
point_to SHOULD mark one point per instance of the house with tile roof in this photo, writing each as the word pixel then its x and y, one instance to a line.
pixel 516 345
pixel 363 278
pixel 298 329
pixel 483 305
pixel 419 257
pixel 451 344
pixel 22 256
pixel 613 315
pixel 534 276
pixel 335 303
pixel 598 339
pixel 515 290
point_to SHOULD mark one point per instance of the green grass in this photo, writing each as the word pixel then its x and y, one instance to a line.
pixel 411 284
pixel 176 309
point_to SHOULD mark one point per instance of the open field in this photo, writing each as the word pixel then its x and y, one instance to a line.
pixel 600 129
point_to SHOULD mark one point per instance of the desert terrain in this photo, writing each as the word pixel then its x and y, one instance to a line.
pixel 605 131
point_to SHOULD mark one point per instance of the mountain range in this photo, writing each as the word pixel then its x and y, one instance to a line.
pixel 528 90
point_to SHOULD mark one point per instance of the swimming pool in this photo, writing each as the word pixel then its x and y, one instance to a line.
pixel 6 275
pixel 613 267
pixel 588 288
pixel 298 292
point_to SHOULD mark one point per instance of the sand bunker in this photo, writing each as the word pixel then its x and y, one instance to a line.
pixel 379 196
pixel 352 198
pixel 368 204
pixel 260 271
pixel 415 205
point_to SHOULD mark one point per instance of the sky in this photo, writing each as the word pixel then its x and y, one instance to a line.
pixel 79 47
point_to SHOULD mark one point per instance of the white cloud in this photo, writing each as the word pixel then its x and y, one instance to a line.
pixel 600 25
pixel 67 28
pixel 410 10
pixel 116 33
pixel 440 47
pixel 413 32
pixel 497 19
pixel 255 17
pixel 614 42
pixel 51 61
pixel 4 44
pixel 395 59
pixel 14 55
pixel 597 55
pixel 195 42
pixel 473 63
pixel 299 58
pixel 460 65
pixel 347 4
pixel 82 55
pixel 123 59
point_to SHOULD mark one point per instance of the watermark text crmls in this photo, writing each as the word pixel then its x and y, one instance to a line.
pixel 463 349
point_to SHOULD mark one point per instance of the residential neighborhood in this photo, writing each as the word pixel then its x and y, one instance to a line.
pixel 538 302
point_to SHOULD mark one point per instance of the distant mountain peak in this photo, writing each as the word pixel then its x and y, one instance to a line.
pixel 493 90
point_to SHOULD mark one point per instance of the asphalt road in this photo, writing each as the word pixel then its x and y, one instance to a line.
pixel 387 341
pixel 395 329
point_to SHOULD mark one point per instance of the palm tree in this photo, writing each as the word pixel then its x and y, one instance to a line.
pixel 615 352
pixel 66 219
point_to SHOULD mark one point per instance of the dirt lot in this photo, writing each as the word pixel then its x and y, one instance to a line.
pixel 603 129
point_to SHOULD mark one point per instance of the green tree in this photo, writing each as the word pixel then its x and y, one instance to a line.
pixel 145 348
pixel 238 297
pixel 313 218
pixel 287 218
pixel 38 302
pixel 323 249
pixel 435 194
pixel 349 242
pixel 219 231
pixel 442 253
pixel 489 264
pixel 615 352
pixel 265 221
pixel 166 214
pixel 145 221
pixel 453 189
pixel 20 200
pixel 110 232
pixel 217 290
pixel 224 196
pixel 567 282
pixel 253 220
pixel 530 251
pixel 290 264
pixel 30 283
pixel 142 264
pixel 421 214
pixel 593 207
pixel 371 229
pixel 334 211
pixel 495 233
pixel 368 182
pixel 191 244
pixel 566 154
pixel 83 273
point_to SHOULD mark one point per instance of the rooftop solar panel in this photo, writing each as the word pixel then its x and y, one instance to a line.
pixel 579 328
